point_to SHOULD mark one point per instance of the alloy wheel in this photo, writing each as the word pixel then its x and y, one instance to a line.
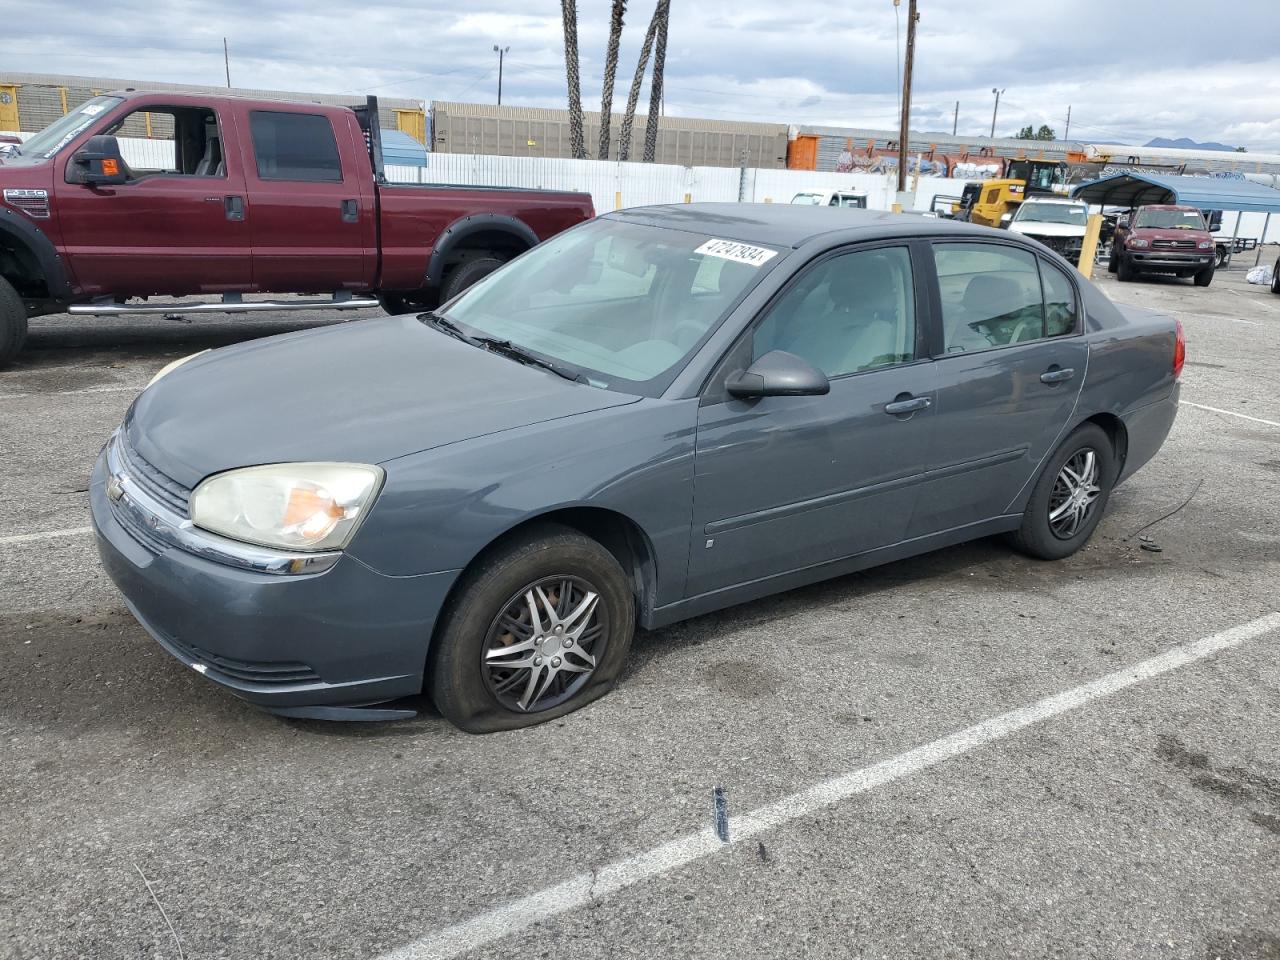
pixel 545 643
pixel 1075 492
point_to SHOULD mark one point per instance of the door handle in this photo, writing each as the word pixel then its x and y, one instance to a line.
pixel 908 405
pixel 1057 375
pixel 350 211
pixel 234 207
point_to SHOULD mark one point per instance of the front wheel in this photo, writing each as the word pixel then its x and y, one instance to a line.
pixel 1070 496
pixel 1112 261
pixel 13 322
pixel 538 629
pixel 1124 269
pixel 1204 277
pixel 1275 277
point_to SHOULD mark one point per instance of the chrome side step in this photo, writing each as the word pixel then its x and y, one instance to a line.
pixel 231 303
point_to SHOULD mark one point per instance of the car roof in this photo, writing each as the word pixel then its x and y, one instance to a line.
pixel 791 225
pixel 1065 201
pixel 1169 206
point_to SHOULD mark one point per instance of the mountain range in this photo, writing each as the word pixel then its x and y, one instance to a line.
pixel 1186 143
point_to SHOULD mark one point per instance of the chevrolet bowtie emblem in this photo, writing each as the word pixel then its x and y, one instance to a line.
pixel 114 490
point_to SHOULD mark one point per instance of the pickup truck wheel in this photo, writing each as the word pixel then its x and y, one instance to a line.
pixel 1275 277
pixel 536 630
pixel 13 322
pixel 1219 259
pixel 1124 270
pixel 397 303
pixel 1067 502
pixel 1112 261
pixel 465 274
pixel 1204 277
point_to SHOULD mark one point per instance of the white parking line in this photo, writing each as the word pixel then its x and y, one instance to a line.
pixel 47 535
pixel 578 891
pixel 1229 413
pixel 67 393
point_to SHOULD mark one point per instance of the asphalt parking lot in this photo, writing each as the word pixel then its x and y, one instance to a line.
pixel 884 798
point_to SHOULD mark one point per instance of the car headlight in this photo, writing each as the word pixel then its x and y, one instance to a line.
pixel 173 365
pixel 1138 242
pixel 1205 244
pixel 298 506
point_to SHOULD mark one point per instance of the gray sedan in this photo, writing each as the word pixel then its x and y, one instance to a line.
pixel 657 414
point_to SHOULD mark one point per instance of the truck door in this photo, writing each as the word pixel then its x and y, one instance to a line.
pixel 178 226
pixel 309 189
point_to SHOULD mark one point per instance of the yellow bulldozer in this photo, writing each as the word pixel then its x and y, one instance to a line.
pixel 992 202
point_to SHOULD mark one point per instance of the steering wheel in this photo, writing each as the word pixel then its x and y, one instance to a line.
pixel 1018 330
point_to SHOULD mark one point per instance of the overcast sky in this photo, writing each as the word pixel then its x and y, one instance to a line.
pixel 1129 69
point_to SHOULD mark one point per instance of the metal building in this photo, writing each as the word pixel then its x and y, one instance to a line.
pixel 31 101
pixel 537 132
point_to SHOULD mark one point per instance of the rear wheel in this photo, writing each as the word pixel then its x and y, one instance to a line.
pixel 13 322
pixel 1220 257
pixel 1112 261
pixel 1070 496
pixel 1275 277
pixel 1204 277
pixel 467 273
pixel 1124 269
pixel 540 628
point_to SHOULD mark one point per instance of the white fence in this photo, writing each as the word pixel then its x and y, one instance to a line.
pixel 613 184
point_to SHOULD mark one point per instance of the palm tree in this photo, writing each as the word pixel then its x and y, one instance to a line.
pixel 662 15
pixel 610 72
pixel 629 117
pixel 569 8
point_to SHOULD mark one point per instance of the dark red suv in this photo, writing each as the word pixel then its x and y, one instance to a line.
pixel 1163 238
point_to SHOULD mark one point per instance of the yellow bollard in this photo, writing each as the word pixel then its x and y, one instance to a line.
pixel 1089 249
pixel 768 199
pixel 897 208
pixel 688 198
pixel 617 200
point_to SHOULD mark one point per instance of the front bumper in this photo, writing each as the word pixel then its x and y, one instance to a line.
pixel 345 636
pixel 1168 260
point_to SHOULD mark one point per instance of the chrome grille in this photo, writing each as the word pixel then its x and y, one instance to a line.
pixel 154 481
pixel 138 531
pixel 1174 244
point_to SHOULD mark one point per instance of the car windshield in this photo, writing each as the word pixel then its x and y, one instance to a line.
pixel 809 198
pixel 622 305
pixel 852 200
pixel 1053 213
pixel 55 136
pixel 1170 219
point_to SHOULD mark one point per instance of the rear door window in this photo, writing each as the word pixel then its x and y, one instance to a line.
pixel 295 146
pixel 991 296
pixel 1059 301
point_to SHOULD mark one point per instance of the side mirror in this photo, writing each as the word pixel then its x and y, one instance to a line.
pixel 779 374
pixel 99 163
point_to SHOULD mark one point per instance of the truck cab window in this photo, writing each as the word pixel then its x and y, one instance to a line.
pixel 295 146
pixel 172 141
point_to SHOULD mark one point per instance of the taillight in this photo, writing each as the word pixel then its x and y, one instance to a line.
pixel 1179 350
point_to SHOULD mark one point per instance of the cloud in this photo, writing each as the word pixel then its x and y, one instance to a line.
pixel 1202 76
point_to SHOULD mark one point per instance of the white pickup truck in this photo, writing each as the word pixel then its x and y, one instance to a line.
pixel 1058 224
pixel 832 198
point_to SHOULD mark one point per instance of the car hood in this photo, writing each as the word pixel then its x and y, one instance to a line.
pixel 1157 233
pixel 1038 228
pixel 363 392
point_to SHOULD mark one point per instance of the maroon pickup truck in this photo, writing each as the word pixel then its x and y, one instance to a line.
pixel 249 196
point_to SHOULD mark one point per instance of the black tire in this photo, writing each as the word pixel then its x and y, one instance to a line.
pixel 1038 537
pixel 1124 269
pixel 397 303
pixel 1112 261
pixel 1204 277
pixel 467 688
pixel 1219 258
pixel 1275 277
pixel 465 274
pixel 13 322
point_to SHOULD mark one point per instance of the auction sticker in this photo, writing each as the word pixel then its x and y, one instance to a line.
pixel 737 252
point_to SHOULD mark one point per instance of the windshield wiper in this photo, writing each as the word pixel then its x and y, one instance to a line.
pixel 448 326
pixel 521 355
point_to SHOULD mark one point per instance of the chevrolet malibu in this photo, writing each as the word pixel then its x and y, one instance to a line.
pixel 656 414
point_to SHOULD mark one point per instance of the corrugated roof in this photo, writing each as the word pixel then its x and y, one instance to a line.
pixel 1207 193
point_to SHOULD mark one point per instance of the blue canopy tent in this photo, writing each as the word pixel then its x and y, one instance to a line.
pixel 1135 189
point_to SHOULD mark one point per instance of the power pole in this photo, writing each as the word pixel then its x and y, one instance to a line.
pixel 1066 134
pixel 995 111
pixel 955 119
pixel 226 61
pixel 501 52
pixel 904 124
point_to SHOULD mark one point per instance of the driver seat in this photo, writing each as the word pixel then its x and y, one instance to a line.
pixel 212 163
